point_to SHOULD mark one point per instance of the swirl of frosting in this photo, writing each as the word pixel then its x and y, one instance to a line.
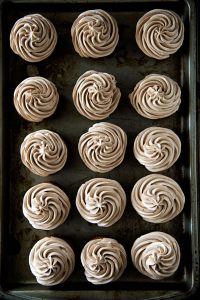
pixel 156 255
pixel 156 96
pixel 43 152
pixel 103 147
pixel 51 261
pixel 157 198
pixel 157 148
pixel 96 95
pixel 36 98
pixel 33 38
pixel 104 260
pixel 101 201
pixel 46 206
pixel 159 33
pixel 94 34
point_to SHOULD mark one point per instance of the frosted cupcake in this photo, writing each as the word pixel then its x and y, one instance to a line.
pixel 94 34
pixel 33 38
pixel 159 33
pixel 51 261
pixel 104 260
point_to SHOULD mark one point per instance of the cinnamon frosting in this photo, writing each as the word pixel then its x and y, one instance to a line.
pixel 103 147
pixel 96 95
pixel 101 201
pixel 156 96
pixel 157 148
pixel 157 198
pixel 51 261
pixel 104 260
pixel 36 98
pixel 94 34
pixel 43 152
pixel 46 206
pixel 33 38
pixel 159 33
pixel 156 255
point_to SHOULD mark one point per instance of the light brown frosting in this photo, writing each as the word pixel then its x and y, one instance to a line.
pixel 157 198
pixel 156 255
pixel 46 206
pixel 33 38
pixel 43 152
pixel 157 148
pixel 156 96
pixel 94 34
pixel 101 201
pixel 103 147
pixel 51 261
pixel 36 98
pixel 159 33
pixel 96 95
pixel 104 260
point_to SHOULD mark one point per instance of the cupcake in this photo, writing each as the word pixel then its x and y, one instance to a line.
pixel 103 147
pixel 96 95
pixel 156 255
pixel 46 206
pixel 157 198
pixel 159 33
pixel 157 148
pixel 104 260
pixel 101 201
pixel 43 152
pixel 94 34
pixel 33 38
pixel 36 99
pixel 51 261
pixel 156 96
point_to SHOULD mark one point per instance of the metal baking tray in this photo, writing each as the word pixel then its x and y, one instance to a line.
pixel 129 65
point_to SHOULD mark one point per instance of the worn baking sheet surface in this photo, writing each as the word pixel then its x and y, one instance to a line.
pixel 129 65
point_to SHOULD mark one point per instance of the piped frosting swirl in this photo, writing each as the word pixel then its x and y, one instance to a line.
pixel 94 34
pixel 101 201
pixel 159 33
pixel 36 98
pixel 51 261
pixel 157 148
pixel 103 147
pixel 96 95
pixel 157 198
pixel 46 206
pixel 156 96
pixel 156 255
pixel 104 260
pixel 43 152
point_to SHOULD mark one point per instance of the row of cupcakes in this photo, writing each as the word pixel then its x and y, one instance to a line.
pixel 155 254
pixel 159 33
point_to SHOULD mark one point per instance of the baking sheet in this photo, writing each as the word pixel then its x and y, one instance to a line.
pixel 129 65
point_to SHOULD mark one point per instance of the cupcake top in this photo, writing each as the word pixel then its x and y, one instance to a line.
pixel 157 148
pixel 36 98
pixel 33 38
pixel 51 261
pixel 103 147
pixel 156 96
pixel 156 255
pixel 96 95
pixel 104 260
pixel 46 206
pixel 157 198
pixel 43 152
pixel 101 201
pixel 94 34
pixel 159 33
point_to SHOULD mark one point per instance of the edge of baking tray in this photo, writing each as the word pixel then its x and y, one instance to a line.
pixel 192 291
